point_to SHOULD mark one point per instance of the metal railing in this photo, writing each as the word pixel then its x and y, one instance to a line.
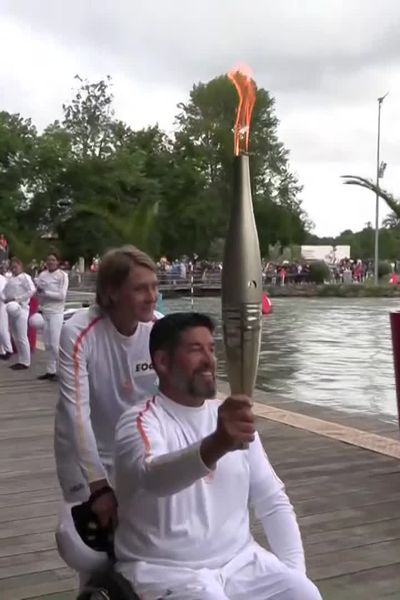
pixel 212 280
pixel 208 280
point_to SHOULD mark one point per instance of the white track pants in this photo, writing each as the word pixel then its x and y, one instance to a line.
pixel 255 574
pixel 5 339
pixel 19 332
pixel 51 337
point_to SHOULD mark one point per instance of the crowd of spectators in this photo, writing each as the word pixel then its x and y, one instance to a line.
pixel 199 270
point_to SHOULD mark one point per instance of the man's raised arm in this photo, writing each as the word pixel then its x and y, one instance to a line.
pixel 142 460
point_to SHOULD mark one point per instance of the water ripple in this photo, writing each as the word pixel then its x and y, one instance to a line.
pixel 330 352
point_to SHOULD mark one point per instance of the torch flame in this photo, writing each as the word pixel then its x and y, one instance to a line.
pixel 241 77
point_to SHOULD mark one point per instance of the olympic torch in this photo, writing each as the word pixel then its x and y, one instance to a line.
pixel 241 273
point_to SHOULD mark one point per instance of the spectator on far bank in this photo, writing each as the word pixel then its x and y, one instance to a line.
pixel 3 247
pixel 94 267
pixel 3 241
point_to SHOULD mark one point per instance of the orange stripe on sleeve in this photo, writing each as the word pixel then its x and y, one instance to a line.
pixel 140 428
pixel 78 400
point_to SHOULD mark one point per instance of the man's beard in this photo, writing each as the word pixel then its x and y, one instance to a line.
pixel 200 389
pixel 195 385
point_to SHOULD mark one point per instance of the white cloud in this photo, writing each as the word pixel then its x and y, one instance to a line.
pixel 324 62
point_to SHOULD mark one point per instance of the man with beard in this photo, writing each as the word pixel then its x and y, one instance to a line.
pixel 187 467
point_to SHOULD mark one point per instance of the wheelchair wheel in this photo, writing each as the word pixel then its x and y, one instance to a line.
pixel 108 586
pixel 97 595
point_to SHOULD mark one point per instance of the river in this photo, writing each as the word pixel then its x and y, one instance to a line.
pixel 331 352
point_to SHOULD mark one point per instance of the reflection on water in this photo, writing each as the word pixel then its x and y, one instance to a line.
pixel 332 352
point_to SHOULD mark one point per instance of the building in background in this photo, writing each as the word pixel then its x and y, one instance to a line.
pixel 329 254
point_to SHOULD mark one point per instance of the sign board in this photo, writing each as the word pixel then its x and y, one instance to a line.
pixel 329 254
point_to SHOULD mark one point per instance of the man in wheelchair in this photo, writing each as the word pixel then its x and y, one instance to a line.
pixel 188 467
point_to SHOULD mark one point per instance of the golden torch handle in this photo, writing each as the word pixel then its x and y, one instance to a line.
pixel 242 286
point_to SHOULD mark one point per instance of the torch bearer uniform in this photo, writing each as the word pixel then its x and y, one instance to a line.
pixel 101 374
pixel 20 288
pixel 184 529
pixel 5 339
pixel 53 288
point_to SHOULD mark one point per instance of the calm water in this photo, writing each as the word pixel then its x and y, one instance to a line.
pixel 332 352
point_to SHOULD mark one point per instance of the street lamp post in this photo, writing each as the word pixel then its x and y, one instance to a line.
pixel 379 173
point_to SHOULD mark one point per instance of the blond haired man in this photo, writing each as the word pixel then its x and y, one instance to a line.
pixel 104 368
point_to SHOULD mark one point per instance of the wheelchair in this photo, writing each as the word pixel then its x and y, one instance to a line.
pixel 108 585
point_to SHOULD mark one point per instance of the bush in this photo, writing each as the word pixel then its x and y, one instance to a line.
pixel 384 268
pixel 319 272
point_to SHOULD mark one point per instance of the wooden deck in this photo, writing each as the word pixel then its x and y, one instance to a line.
pixel 347 499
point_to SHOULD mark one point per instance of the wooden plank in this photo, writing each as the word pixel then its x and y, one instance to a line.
pixel 323 504
pixel 34 579
pixel 27 526
pixel 40 444
pixel 30 562
pixel 61 589
pixel 319 470
pixel 39 509
pixel 313 489
pixel 23 544
pixel 369 584
pixel 326 542
pixel 58 596
pixel 26 432
pixel 26 464
pixel 352 537
pixel 348 517
pixel 354 560
pixel 15 483
pixel 32 498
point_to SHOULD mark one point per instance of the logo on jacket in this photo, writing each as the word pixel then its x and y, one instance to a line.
pixel 141 367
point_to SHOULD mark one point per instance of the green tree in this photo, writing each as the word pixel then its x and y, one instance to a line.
pixel 362 242
pixel 186 211
pixel 17 142
pixel 90 120
pixel 94 182
pixel 205 137
pixel 136 226
pixel 108 183
pixel 52 157
pixel 319 272
pixel 392 202
pixel 391 221
pixel 87 235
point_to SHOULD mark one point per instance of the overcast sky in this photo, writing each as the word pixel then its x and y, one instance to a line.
pixel 325 62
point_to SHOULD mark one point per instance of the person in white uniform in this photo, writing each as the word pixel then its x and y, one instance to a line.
pixel 6 349
pixel 17 293
pixel 104 368
pixel 187 468
pixel 52 287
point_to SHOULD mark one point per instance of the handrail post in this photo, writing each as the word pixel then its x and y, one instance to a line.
pixel 395 328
